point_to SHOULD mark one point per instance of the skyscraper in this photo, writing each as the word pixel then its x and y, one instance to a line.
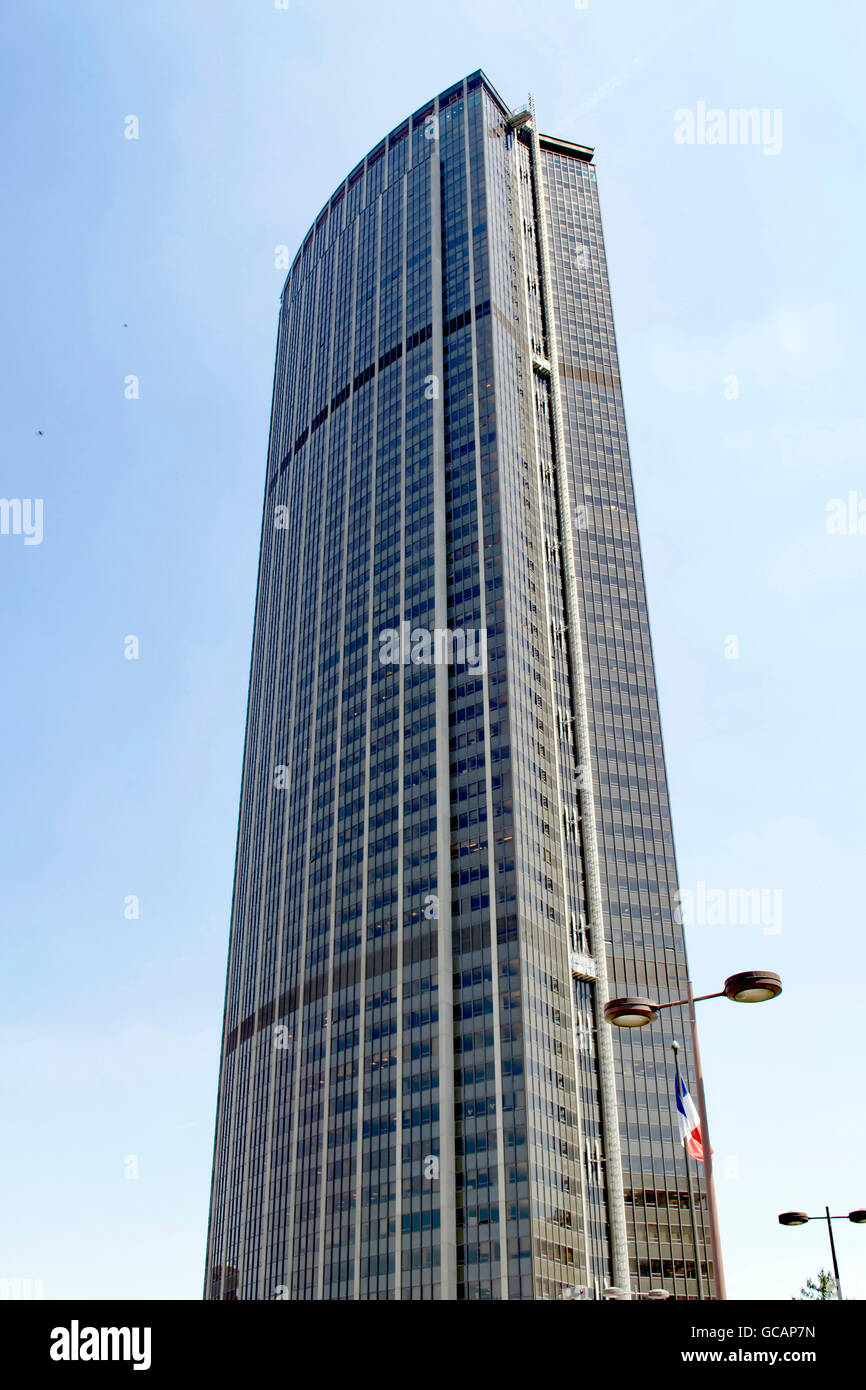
pixel 454 836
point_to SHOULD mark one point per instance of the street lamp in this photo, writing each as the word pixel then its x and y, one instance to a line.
pixel 613 1292
pixel 746 987
pixel 799 1218
pixel 752 987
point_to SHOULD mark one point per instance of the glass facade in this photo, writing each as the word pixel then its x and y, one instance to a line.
pixel 454 834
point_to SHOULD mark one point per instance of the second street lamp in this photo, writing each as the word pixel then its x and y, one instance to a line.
pixel 746 987
pixel 751 987
pixel 612 1292
pixel 799 1218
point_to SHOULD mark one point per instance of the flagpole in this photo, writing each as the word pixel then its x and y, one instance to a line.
pixel 712 1214
pixel 697 1243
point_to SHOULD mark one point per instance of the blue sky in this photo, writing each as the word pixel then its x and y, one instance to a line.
pixel 155 257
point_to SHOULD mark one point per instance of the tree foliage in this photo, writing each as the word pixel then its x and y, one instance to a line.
pixel 822 1287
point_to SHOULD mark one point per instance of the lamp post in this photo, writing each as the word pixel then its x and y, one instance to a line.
pixel 799 1218
pixel 746 987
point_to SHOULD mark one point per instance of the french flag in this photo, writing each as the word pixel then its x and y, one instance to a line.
pixel 690 1124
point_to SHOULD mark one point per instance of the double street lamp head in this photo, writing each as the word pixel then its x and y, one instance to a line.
pixel 799 1218
pixel 747 987
pixel 613 1292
